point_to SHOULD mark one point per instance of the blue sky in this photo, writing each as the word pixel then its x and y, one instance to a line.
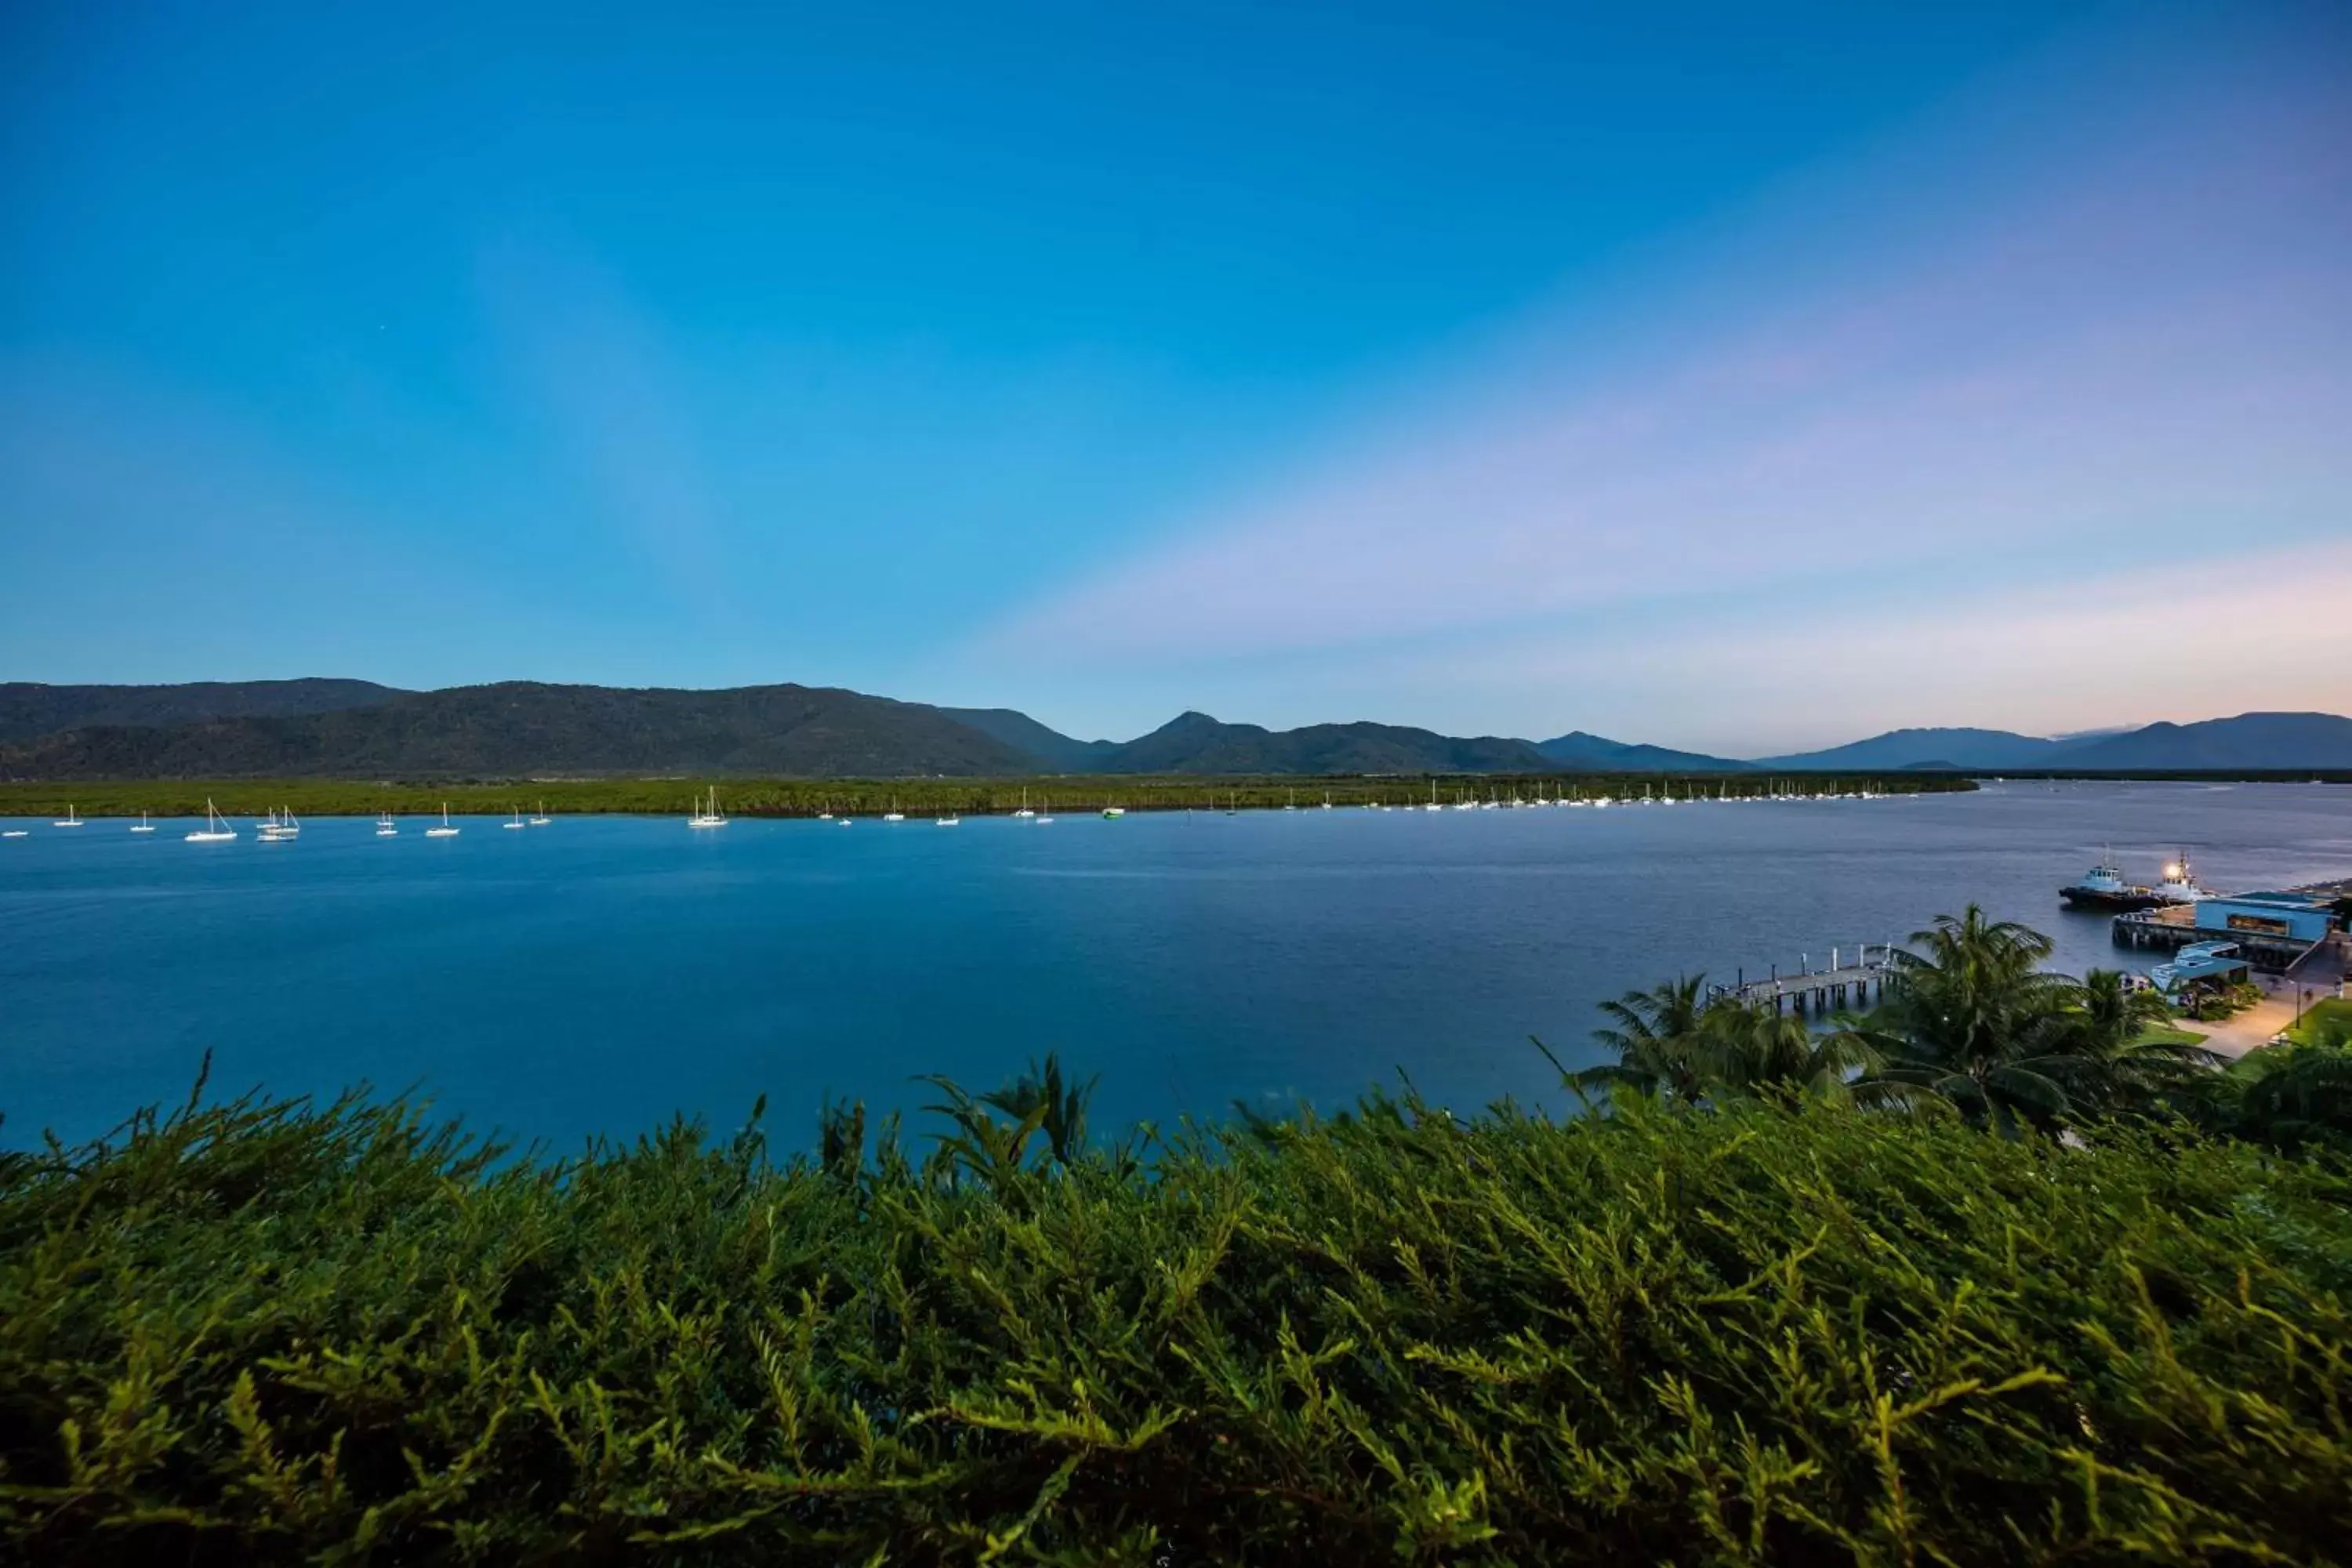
pixel 1743 378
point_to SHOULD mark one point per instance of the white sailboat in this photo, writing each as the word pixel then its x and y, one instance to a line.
pixel 1024 810
pixel 70 819
pixel 385 827
pixel 518 825
pixel 280 829
pixel 539 819
pixel 710 816
pixel 1046 819
pixel 949 819
pixel 444 830
pixel 144 826
pixel 893 813
pixel 215 830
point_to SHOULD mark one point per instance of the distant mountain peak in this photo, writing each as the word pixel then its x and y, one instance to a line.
pixel 356 728
pixel 1581 749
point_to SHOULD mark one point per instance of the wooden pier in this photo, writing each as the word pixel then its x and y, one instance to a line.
pixel 1845 982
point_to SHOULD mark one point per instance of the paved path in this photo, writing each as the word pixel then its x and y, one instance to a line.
pixel 2249 1030
pixel 2252 1029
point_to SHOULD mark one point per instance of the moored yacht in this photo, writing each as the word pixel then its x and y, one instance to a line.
pixel 143 826
pixel 444 830
pixel 215 830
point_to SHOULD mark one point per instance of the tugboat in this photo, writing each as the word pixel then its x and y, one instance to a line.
pixel 2179 884
pixel 2104 888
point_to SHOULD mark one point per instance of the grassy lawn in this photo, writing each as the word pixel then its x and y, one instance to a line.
pixel 2325 1023
pixel 2169 1035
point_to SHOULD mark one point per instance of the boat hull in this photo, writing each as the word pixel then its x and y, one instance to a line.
pixel 2110 898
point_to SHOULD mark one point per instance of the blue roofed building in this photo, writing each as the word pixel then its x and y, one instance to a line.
pixel 2276 917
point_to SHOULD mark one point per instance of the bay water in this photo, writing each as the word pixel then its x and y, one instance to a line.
pixel 599 974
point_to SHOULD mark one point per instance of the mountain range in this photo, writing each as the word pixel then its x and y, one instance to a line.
pixel 359 729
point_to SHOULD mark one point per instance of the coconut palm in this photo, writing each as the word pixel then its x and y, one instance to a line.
pixel 1972 1019
pixel 1058 1106
pixel 2119 1066
pixel 1659 1038
pixel 2297 1097
pixel 1749 1049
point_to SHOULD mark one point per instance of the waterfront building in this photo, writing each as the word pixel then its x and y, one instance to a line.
pixel 2272 932
pixel 2217 962
pixel 2282 917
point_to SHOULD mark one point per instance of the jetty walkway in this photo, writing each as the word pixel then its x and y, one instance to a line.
pixel 1845 981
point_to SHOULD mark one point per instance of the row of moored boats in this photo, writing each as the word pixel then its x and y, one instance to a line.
pixel 2103 887
pixel 281 825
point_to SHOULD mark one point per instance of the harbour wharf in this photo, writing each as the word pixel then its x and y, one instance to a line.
pixel 2270 950
pixel 1845 981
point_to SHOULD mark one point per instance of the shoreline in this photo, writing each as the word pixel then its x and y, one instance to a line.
pixel 784 798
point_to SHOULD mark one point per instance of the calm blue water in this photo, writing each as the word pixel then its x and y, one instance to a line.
pixel 600 974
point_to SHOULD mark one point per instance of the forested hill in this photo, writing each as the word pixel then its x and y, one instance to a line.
pixel 29 710
pixel 522 728
pixel 2250 742
pixel 525 727
pixel 1196 744
pixel 356 728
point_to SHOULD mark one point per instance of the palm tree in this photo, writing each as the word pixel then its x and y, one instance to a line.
pixel 1749 1049
pixel 1972 1019
pixel 1060 1107
pixel 2121 1067
pixel 2297 1097
pixel 1658 1037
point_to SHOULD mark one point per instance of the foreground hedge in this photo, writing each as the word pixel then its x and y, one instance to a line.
pixel 264 1333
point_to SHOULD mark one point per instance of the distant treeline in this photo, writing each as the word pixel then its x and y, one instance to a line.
pixel 2183 776
pixel 807 797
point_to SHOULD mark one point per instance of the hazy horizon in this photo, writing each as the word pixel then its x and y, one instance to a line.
pixel 1739 384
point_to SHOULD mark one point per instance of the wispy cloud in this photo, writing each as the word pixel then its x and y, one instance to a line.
pixel 2154 640
pixel 2063 358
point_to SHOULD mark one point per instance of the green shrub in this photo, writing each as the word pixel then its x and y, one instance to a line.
pixel 269 1333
